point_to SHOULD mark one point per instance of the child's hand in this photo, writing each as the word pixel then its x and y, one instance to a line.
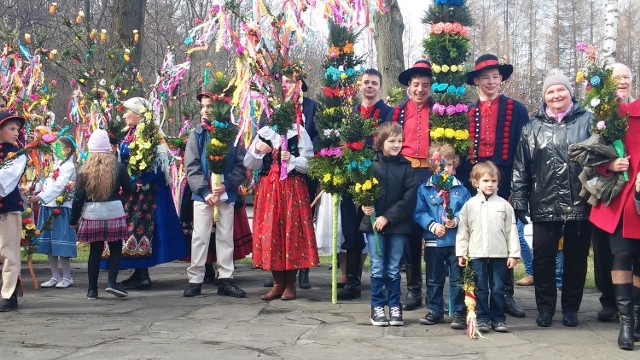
pixel 32 199
pixel 450 224
pixel 619 164
pixel 367 210
pixel 638 182
pixel 380 223
pixel 440 230
pixel 511 262
pixel 462 262
pixel 262 148
pixel 285 156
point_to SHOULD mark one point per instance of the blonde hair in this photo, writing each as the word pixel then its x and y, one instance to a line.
pixel 446 152
pixel 481 169
pixel 99 173
pixel 383 132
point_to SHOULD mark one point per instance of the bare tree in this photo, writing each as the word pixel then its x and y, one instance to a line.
pixel 610 31
pixel 388 39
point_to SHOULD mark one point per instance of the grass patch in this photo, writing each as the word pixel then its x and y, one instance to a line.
pixel 83 255
pixel 325 261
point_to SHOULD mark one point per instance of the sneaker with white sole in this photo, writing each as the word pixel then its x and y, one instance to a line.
pixel 49 283
pixel 64 283
pixel 116 290
pixel 378 316
pixel 395 316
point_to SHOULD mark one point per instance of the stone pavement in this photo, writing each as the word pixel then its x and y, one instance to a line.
pixel 162 324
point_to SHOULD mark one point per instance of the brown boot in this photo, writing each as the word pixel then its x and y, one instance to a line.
pixel 289 285
pixel 278 286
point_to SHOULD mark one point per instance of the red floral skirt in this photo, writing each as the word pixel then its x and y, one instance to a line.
pixel 283 234
pixel 242 236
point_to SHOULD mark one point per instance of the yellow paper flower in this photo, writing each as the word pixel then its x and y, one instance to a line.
pixel 462 135
pixel 326 178
pixel 358 187
pixel 60 199
pixel 30 226
pixel 454 68
pixel 142 165
pixel 367 185
pixel 437 133
pixel 338 180
pixel 445 68
pixel 435 68
pixel 580 76
pixel 374 181
pixel 449 133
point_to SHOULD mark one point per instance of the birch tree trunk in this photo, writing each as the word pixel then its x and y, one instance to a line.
pixel 610 32
pixel 388 39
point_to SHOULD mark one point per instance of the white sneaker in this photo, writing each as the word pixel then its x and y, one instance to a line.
pixel 64 283
pixel 49 283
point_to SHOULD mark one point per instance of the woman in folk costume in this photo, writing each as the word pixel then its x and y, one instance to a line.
pixel 284 238
pixel 155 234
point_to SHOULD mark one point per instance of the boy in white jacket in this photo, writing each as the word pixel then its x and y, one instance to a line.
pixel 487 235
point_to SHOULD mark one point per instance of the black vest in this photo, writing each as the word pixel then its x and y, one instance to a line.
pixel 13 201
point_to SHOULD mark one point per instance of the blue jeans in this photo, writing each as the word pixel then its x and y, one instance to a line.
pixel 490 275
pixel 439 260
pixel 525 250
pixel 385 269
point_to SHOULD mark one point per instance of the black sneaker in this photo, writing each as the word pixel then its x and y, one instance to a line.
pixel 9 304
pixel 378 316
pixel 431 319
pixel 116 290
pixel 192 290
pixel 483 327
pixel 395 316
pixel 229 287
pixel 92 294
pixel 458 322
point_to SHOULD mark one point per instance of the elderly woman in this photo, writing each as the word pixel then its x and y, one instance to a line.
pixel 155 232
pixel 620 221
pixel 546 184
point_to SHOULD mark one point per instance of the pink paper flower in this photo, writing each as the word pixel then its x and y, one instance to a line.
pixel 456 28
pixel 439 108
pixel 601 125
pixel 448 28
pixel 437 28
pixel 451 110
pixel 581 46
pixel 464 32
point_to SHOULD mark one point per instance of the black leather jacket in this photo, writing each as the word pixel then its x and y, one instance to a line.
pixel 544 180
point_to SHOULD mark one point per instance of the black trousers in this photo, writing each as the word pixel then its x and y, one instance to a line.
pixel 602 263
pixel 577 239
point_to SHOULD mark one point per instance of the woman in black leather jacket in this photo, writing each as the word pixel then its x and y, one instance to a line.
pixel 546 183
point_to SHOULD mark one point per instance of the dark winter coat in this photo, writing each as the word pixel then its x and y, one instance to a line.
pixel 396 176
pixel 544 180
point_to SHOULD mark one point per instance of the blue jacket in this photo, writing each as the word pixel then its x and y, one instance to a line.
pixel 430 212
pixel 198 170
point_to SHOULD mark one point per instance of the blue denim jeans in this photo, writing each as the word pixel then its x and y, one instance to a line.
pixel 385 269
pixel 525 250
pixel 490 275
pixel 441 260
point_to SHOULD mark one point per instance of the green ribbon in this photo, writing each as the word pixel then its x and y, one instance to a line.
pixel 619 146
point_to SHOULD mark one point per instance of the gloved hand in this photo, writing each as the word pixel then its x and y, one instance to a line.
pixel 522 216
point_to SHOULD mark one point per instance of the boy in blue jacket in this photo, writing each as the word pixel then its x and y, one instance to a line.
pixel 440 236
